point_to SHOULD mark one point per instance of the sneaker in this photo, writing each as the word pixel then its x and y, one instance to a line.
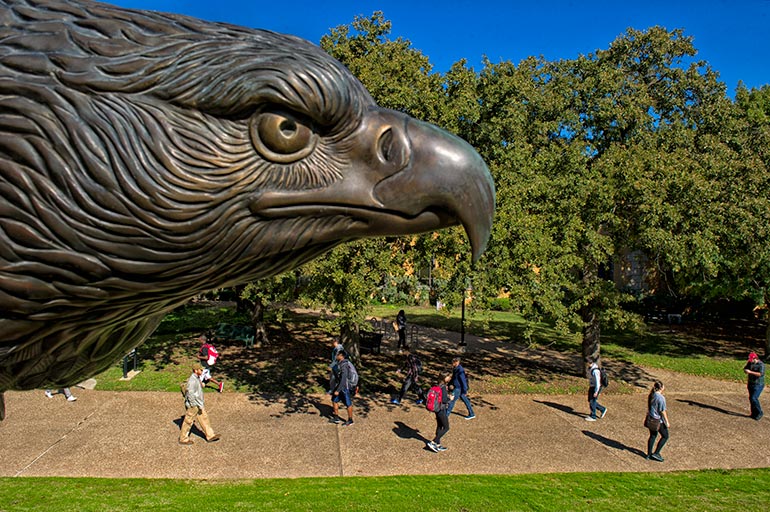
pixel 472 416
pixel 336 419
pixel 221 386
pixel 441 448
pixel 72 398
pixel 590 418
pixel 214 439
pixel 604 413
pixel 48 394
pixel 433 446
pixel 656 457
pixel 347 423
pixel 187 442
pixel 396 401
pixel 421 401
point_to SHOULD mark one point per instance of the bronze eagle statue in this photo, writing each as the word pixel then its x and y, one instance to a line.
pixel 146 158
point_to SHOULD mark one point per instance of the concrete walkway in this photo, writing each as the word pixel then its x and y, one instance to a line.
pixel 134 434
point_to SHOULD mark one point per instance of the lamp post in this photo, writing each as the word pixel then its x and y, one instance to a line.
pixel 467 288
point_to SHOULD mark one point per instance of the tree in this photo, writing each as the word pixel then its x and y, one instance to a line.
pixel 744 269
pixel 593 157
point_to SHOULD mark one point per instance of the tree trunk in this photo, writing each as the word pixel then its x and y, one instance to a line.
pixel 350 336
pixel 240 302
pixel 590 317
pixel 258 321
pixel 767 330
pixel 591 337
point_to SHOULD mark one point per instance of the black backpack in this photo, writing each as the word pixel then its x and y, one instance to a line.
pixel 603 379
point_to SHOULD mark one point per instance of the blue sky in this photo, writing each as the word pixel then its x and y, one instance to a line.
pixel 732 36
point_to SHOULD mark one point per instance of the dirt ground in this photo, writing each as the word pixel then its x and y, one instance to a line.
pixel 134 434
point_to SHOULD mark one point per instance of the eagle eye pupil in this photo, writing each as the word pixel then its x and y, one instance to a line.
pixel 288 127
pixel 386 145
pixel 280 137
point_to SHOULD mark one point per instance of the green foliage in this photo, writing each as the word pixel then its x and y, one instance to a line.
pixel 193 319
pixel 715 490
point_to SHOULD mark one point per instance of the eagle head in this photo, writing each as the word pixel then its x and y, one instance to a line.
pixel 146 158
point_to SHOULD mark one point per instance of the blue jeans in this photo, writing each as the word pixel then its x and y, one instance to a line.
pixel 756 408
pixel 594 403
pixel 466 401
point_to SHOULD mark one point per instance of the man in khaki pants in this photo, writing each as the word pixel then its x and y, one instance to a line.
pixel 193 402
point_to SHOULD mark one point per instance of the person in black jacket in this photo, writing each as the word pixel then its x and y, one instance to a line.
pixel 755 369
pixel 442 417
pixel 411 371
pixel 401 329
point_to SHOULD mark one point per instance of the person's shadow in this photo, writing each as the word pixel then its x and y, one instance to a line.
pixel 560 407
pixel 617 445
pixel 404 431
pixel 712 407
pixel 324 410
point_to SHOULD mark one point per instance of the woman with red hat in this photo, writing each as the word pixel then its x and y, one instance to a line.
pixel 755 369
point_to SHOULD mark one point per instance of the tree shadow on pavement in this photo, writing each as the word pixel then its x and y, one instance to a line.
pixel 611 443
pixel 560 407
pixel 712 407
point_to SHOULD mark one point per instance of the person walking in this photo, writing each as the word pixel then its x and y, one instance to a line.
pixel 400 325
pixel 345 389
pixel 442 417
pixel 656 421
pixel 411 370
pixel 755 369
pixel 64 391
pixel 594 388
pixel 194 410
pixel 207 355
pixel 459 383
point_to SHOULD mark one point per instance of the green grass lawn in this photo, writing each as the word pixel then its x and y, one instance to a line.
pixel 745 490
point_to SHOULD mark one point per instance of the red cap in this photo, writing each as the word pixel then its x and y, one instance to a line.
pixel 753 356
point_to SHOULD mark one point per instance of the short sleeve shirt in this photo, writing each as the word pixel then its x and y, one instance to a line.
pixel 657 405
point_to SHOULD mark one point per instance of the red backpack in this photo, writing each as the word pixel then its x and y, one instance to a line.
pixel 212 353
pixel 433 400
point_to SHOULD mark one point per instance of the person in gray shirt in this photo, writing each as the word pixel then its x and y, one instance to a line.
pixel 193 402
pixel 656 421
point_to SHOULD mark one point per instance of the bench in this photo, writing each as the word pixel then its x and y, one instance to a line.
pixel 244 333
pixel 371 341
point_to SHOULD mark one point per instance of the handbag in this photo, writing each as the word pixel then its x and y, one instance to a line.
pixel 652 423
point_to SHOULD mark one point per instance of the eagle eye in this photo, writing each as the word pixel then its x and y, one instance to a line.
pixel 281 137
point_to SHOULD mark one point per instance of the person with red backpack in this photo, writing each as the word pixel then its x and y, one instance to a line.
pixel 437 402
pixel 208 357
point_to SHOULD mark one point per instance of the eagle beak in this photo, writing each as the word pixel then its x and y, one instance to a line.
pixel 441 173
